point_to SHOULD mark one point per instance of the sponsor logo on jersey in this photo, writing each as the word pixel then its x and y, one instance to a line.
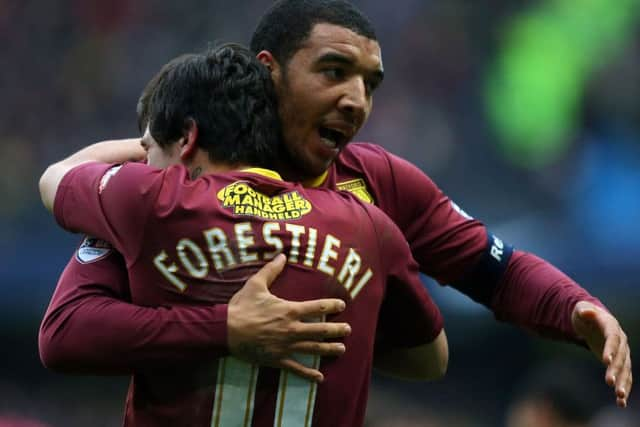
pixel 242 199
pixel 107 176
pixel 358 188
pixel 92 249
pixel 460 211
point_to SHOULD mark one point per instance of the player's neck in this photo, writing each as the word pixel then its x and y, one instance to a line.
pixel 200 165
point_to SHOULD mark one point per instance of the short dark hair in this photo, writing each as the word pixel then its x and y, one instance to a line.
pixel 288 23
pixel 230 96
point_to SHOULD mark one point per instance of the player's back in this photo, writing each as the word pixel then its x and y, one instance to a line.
pixel 196 242
pixel 218 231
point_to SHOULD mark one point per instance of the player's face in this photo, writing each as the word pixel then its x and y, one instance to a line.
pixel 156 155
pixel 325 95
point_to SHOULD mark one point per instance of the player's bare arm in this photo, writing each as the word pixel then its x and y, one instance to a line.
pixel 115 151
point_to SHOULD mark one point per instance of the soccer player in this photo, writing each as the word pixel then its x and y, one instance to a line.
pixel 326 63
pixel 211 224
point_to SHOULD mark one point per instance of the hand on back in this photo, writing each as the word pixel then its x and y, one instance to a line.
pixel 267 330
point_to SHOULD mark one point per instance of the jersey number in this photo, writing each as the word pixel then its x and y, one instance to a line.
pixel 236 387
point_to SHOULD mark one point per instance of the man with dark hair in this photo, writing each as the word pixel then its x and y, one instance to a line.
pixel 255 325
pixel 192 234
pixel 237 121
pixel 318 120
pixel 325 77
pixel 283 41
pixel 326 63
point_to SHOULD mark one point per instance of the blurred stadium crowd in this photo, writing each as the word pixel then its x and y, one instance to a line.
pixel 527 113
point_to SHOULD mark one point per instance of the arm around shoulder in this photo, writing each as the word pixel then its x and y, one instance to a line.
pixel 107 151
pixel 49 182
pixel 91 327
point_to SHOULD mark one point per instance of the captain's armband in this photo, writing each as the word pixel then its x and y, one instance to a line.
pixel 479 283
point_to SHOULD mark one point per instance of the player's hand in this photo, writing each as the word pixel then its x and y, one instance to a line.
pixel 267 330
pixel 606 339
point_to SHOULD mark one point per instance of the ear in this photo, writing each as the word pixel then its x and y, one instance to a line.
pixel 270 62
pixel 188 145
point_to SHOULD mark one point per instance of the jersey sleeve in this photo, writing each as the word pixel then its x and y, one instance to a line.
pixel 457 250
pixel 445 241
pixel 91 328
pixel 539 297
pixel 111 202
pixel 408 315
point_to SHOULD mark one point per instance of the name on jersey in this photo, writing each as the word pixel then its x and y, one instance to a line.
pixel 241 199
pixel 326 255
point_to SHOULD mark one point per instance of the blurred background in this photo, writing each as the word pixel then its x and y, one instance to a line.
pixel 526 113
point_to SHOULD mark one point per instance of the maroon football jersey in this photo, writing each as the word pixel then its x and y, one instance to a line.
pixel 444 240
pixel 448 244
pixel 196 243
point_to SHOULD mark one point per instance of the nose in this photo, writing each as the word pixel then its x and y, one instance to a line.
pixel 355 100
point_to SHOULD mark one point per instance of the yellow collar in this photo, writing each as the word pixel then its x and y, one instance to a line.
pixel 315 182
pixel 310 183
pixel 264 172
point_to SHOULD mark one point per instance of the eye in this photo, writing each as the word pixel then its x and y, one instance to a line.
pixel 371 85
pixel 335 73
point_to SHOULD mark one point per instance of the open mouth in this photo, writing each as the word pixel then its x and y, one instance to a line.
pixel 332 138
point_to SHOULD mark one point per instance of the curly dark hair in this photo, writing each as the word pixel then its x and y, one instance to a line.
pixel 288 23
pixel 230 96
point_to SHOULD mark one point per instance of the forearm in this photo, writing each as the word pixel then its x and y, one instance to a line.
pixel 116 151
pixel 537 296
pixel 427 362
pixel 100 335
pixel 112 151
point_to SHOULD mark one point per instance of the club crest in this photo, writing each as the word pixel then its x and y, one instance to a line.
pixel 358 188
